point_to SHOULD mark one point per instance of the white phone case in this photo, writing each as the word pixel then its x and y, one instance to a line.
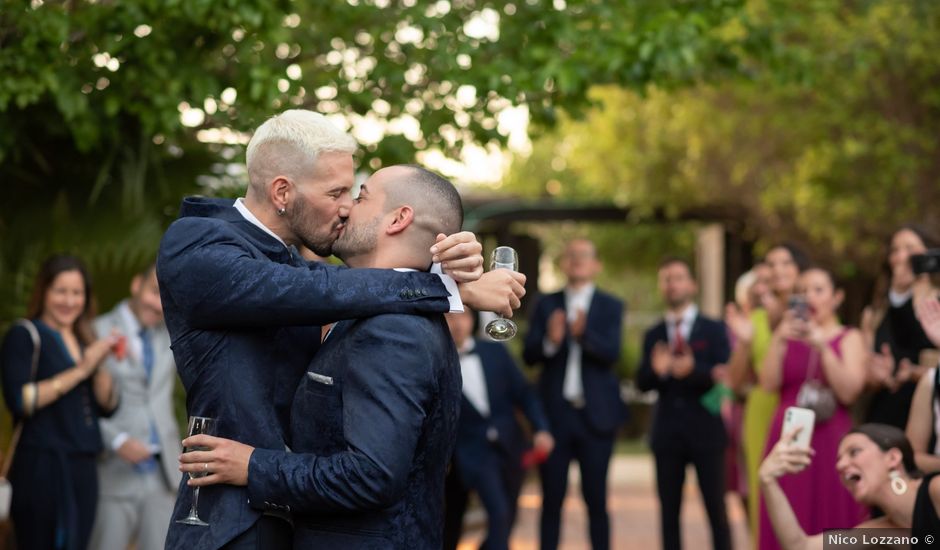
pixel 804 418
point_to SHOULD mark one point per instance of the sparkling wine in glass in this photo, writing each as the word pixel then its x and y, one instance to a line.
pixel 197 425
pixel 503 257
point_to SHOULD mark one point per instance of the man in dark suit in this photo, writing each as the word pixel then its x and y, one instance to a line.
pixel 375 418
pixel 243 309
pixel 679 356
pixel 490 441
pixel 575 335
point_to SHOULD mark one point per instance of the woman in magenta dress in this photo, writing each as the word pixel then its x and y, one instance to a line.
pixel 813 344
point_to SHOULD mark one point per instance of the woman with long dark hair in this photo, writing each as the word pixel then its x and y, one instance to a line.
pixel 876 465
pixel 891 329
pixel 54 474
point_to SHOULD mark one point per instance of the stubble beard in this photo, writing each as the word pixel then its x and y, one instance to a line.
pixel 357 240
pixel 300 218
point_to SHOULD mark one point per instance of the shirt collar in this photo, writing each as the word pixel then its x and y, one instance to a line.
pixel 582 292
pixel 124 310
pixel 243 210
pixel 687 317
pixel 898 299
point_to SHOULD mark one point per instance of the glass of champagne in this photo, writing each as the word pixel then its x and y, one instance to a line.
pixel 503 257
pixel 197 425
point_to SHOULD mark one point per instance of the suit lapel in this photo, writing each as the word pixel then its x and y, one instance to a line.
pixel 695 333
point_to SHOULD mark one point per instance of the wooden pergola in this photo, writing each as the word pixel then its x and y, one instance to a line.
pixel 722 252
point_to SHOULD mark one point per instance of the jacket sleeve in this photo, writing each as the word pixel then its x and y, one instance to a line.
pixel 601 340
pixel 108 425
pixel 385 398
pixel 213 280
pixel 646 378
pixel 16 363
pixel 533 351
pixel 522 393
pixel 719 350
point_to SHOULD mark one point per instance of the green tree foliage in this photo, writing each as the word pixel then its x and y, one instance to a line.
pixel 105 105
pixel 831 140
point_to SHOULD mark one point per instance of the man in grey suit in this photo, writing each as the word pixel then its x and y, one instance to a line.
pixel 138 474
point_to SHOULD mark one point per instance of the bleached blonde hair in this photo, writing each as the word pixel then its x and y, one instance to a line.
pixel 289 144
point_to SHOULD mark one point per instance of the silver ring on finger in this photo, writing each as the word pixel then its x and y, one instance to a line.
pixel 206 467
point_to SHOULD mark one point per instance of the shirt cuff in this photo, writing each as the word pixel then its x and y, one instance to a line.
pixel 119 440
pixel 456 304
pixel 549 348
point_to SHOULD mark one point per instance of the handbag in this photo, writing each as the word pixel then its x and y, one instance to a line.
pixel 6 490
pixel 816 395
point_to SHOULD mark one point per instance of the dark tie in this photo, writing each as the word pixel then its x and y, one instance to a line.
pixel 150 464
pixel 679 344
pixel 147 352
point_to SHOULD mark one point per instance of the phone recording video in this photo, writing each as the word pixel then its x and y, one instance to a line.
pixel 929 262
pixel 799 306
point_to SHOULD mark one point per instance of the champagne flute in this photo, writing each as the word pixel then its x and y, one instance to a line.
pixel 197 425
pixel 503 257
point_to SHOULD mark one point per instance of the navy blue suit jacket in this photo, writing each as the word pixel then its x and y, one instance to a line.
pixel 507 390
pixel 243 312
pixel 600 350
pixel 374 424
pixel 680 422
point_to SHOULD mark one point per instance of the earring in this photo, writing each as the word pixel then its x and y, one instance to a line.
pixel 898 485
pixel 280 211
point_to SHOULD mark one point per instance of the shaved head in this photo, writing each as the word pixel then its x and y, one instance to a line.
pixel 437 204
pixel 406 205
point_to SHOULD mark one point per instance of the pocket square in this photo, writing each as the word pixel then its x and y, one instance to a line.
pixel 320 378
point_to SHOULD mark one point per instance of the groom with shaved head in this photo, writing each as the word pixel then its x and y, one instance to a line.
pixel 374 420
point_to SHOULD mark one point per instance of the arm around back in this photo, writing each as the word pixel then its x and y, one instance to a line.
pixel 217 279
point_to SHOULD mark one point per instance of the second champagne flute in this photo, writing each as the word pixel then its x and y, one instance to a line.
pixel 503 257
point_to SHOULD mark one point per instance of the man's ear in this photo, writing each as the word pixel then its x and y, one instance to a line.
pixel 279 192
pixel 402 217
pixel 136 283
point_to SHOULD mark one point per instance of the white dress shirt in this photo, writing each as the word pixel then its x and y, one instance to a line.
pixel 576 300
pixel 474 381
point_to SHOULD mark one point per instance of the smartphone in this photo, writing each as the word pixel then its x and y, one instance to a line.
pixel 928 262
pixel 799 306
pixel 805 419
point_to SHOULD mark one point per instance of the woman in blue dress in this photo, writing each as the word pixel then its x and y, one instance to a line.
pixel 54 475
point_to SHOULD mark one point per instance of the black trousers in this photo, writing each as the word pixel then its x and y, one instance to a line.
pixel 575 440
pixel 670 477
pixel 498 492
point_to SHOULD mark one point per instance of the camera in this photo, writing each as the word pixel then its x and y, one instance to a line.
pixel 799 306
pixel 928 262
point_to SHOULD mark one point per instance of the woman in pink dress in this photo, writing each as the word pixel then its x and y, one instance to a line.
pixel 811 344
